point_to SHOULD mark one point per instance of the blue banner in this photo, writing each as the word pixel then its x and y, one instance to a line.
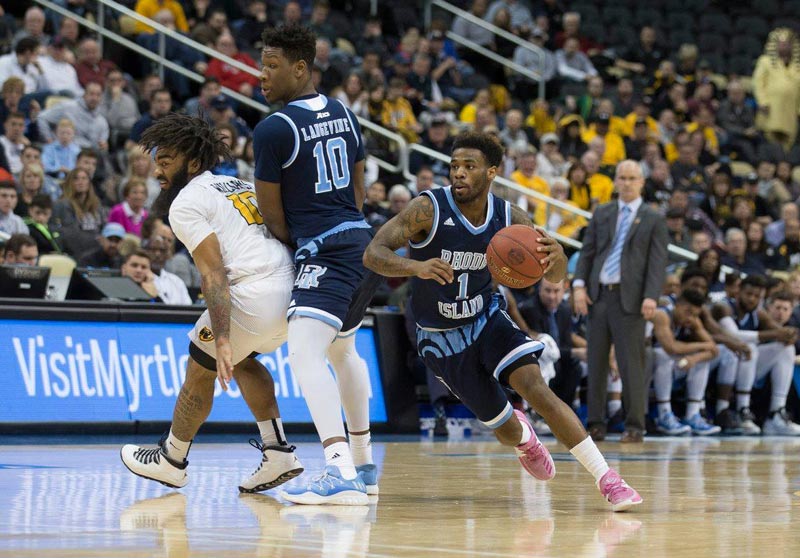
pixel 117 371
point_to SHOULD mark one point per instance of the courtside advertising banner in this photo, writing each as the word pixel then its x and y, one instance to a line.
pixel 63 371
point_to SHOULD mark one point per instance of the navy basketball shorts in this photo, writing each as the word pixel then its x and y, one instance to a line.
pixel 331 282
pixel 474 361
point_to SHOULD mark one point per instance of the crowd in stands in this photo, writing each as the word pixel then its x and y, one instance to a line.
pixel 716 143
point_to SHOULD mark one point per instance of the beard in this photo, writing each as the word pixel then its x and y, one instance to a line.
pixel 165 198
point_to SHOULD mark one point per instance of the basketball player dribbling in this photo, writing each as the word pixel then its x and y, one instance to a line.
pixel 463 332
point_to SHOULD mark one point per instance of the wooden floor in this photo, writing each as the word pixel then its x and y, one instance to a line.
pixel 715 498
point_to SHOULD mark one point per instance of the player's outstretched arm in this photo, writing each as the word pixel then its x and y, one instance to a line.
pixel 216 291
pixel 556 261
pixel 270 204
pixel 411 224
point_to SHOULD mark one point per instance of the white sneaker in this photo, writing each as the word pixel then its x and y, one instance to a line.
pixel 278 465
pixel 780 423
pixel 155 464
pixel 748 422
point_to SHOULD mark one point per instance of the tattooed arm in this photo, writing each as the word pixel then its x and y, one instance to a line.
pixel 411 224
pixel 556 261
pixel 216 291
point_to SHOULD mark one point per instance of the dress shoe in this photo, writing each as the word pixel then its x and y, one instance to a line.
pixel 598 432
pixel 632 437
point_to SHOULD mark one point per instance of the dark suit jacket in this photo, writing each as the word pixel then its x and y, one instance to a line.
pixel 644 254
pixel 535 315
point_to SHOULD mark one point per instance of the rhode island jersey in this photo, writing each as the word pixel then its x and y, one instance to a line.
pixel 455 240
pixel 310 147
pixel 227 207
pixel 750 320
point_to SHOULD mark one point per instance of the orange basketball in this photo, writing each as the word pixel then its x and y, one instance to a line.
pixel 512 257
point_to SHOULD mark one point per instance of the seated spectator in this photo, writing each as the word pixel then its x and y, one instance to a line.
pixel 573 66
pixel 22 63
pixel 31 183
pixel 642 59
pixel 397 113
pixel 131 212
pixel 737 119
pixel 769 187
pixel 119 108
pixel 549 161
pixel 200 106
pixel 526 176
pixel 439 139
pixel 564 222
pixel 13 89
pixel 160 106
pixel 589 102
pixel 515 138
pixel 171 289
pixel 686 170
pixel 756 244
pixel 33 27
pixel 579 190
pixel 91 127
pixel 717 204
pixel 601 186
pixel 737 256
pixel 70 32
pixel 774 233
pixel 105 254
pixel 786 255
pixel 59 157
pixel 207 29
pixel 88 160
pixel 521 17
pixel 421 90
pixel 91 67
pixel 227 167
pixel 398 197
pixel 248 30
pixel 292 13
pixel 636 144
pixel 40 209
pixel 136 266
pixel 783 172
pixel 331 77
pixel 246 162
pixel 615 147
pixel 13 141
pixel 424 180
pixel 10 223
pixel 659 185
pixel 222 114
pixel 376 201
pixel 571 146
pixel 708 261
pixel 760 208
pixel 59 75
pixel 32 155
pixel 373 40
pixel 545 65
pixel 228 76
pixel 140 169
pixel 20 249
pixel 677 231
pixel 149 9
pixel 78 216
pixel 145 90
pixel 353 95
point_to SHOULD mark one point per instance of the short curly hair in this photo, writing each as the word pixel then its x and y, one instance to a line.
pixel 296 42
pixel 188 135
pixel 487 144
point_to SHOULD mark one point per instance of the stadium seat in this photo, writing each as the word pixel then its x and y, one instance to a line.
pixel 747 46
pixel 594 29
pixel 621 36
pixel 711 43
pixel 715 23
pixel 741 65
pixel 791 8
pixel 752 25
pixel 647 16
pixel 786 21
pixel 718 61
pixel 589 12
pixel 681 21
pixel 678 37
pixel 617 15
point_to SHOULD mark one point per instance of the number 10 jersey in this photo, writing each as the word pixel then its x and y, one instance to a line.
pixel 227 207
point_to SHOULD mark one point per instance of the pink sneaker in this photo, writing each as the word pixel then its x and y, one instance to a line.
pixel 533 455
pixel 617 492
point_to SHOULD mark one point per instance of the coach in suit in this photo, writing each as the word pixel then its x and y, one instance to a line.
pixel 618 279
pixel 547 312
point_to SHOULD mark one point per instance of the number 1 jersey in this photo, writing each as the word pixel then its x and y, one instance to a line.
pixel 310 148
pixel 227 207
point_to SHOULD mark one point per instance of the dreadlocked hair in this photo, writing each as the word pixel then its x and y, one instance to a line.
pixel 296 42
pixel 189 136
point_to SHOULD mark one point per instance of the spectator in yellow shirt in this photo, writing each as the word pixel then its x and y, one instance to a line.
pixel 149 8
pixel 579 191
pixel 615 147
pixel 641 111
pixel 704 121
pixel 562 221
pixel 470 111
pixel 600 186
pixel 525 176
pixel 397 114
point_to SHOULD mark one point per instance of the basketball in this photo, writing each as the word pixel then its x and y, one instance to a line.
pixel 512 257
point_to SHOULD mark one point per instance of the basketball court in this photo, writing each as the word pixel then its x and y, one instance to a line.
pixel 703 497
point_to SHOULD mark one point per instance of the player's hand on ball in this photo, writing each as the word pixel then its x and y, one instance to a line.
pixel 436 269
pixel 224 363
pixel 554 250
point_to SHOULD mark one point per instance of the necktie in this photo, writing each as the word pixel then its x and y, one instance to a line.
pixel 614 259
pixel 554 328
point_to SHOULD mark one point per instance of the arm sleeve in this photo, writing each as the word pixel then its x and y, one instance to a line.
pixel 274 142
pixel 191 222
pixel 730 326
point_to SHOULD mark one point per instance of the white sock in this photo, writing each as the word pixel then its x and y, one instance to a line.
pixel 742 400
pixel 614 405
pixel 527 433
pixel 776 403
pixel 272 432
pixel 722 404
pixel 338 454
pixel 590 457
pixel 177 449
pixel 361 448
pixel 664 408
pixel 692 409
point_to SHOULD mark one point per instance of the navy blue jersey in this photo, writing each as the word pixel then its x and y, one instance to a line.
pixel 310 147
pixel 679 333
pixel 455 240
pixel 750 320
